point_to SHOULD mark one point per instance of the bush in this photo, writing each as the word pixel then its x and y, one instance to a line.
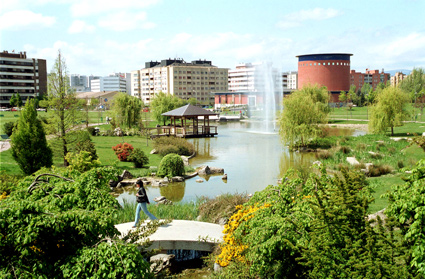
pixel 122 150
pixel 344 149
pixel 91 130
pixel 138 157
pixel 323 154
pixel 8 128
pixel 84 143
pixel 181 146
pixel 82 161
pixel 167 149
pixel 378 170
pixel 222 207
pixel 171 165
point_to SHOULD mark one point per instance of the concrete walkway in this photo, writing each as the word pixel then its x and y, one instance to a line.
pixel 182 234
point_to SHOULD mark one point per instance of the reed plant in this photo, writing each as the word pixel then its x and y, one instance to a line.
pixel 178 211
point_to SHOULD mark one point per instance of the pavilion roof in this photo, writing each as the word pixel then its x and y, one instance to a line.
pixel 188 110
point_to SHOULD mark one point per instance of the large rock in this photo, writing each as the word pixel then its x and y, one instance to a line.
pixel 353 161
pixel 206 170
pixel 160 262
pixel 177 179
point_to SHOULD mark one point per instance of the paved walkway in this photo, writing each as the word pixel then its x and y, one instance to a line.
pixel 182 234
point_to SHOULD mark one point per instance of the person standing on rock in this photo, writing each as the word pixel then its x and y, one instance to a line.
pixel 142 201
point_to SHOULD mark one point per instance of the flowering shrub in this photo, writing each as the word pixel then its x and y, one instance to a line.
pixel 232 248
pixel 123 150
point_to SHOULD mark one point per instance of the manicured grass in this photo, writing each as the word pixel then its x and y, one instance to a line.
pixel 8 164
pixel 107 156
pixel 380 186
pixel 359 113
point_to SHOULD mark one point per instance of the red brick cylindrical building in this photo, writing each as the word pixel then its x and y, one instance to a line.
pixel 328 69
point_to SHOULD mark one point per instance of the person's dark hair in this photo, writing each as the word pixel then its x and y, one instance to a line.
pixel 140 182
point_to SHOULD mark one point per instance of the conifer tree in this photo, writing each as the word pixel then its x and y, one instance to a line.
pixel 29 144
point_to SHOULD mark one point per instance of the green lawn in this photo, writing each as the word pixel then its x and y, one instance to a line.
pixel 382 185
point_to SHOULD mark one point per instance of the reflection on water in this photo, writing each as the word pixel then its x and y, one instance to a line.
pixel 251 157
pixel 173 192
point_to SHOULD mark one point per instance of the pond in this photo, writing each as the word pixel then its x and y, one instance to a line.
pixel 251 157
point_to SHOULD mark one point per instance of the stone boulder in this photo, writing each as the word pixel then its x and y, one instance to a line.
pixel 353 161
pixel 206 170
pixel 160 262
pixel 177 179
pixel 162 200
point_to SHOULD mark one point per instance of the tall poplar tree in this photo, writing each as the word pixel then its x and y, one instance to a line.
pixel 62 103
pixel 29 144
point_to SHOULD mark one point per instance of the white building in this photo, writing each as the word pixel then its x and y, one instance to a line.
pixel 198 79
pixel 290 81
pixel 113 82
pixel 254 77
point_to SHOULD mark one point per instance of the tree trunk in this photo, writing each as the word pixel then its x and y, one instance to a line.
pixel 392 131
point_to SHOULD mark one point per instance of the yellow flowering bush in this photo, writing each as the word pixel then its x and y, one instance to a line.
pixel 232 248
pixel 3 196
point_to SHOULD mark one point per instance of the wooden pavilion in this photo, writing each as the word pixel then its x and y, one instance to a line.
pixel 188 122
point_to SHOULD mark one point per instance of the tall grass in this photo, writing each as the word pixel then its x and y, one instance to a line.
pixel 178 211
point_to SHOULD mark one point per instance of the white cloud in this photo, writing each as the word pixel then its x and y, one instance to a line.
pixel 24 19
pixel 88 8
pixel 297 18
pixel 79 26
pixel 124 21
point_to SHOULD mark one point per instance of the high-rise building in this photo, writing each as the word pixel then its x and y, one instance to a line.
pixel 397 78
pixel 289 81
pixel 19 74
pixel 372 77
pixel 113 82
pixel 79 83
pixel 198 79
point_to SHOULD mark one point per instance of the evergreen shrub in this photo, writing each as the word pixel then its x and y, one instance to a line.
pixel 138 157
pixel 8 128
pixel 171 165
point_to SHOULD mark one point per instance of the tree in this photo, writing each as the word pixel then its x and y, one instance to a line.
pixel 414 84
pixel 171 165
pixel 63 227
pixel 19 102
pixel 13 100
pixel 352 95
pixel 303 111
pixel 364 93
pixel 127 110
pixel 407 206
pixel 389 111
pixel 62 102
pixel 162 103
pixel 29 144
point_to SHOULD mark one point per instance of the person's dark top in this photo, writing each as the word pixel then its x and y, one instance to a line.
pixel 142 197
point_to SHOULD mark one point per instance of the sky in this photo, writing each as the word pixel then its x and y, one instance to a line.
pixel 100 37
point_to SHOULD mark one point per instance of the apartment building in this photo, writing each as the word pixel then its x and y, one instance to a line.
pixel 113 82
pixel 19 74
pixel 253 84
pixel 198 79
pixel 372 77
pixel 397 78
pixel 289 81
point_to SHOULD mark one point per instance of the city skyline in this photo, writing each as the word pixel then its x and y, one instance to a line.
pixel 100 37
